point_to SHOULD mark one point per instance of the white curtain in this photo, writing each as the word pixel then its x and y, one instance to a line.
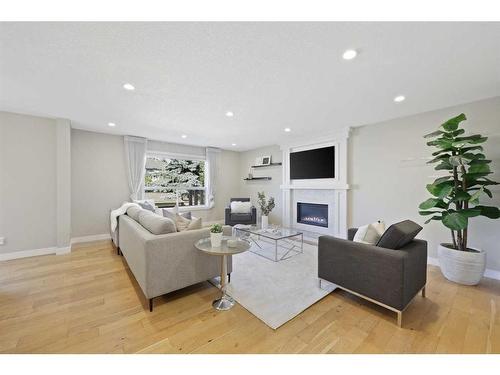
pixel 135 155
pixel 212 155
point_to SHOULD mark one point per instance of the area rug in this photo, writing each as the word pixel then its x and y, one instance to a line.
pixel 275 292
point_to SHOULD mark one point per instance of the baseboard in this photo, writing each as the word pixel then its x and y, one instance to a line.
pixel 94 237
pixel 491 274
pixel 31 253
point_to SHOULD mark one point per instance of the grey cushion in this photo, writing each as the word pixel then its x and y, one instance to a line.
pixel 157 224
pixel 399 235
pixel 134 212
pixel 171 215
pixel 146 206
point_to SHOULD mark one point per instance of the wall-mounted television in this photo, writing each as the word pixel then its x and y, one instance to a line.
pixel 315 163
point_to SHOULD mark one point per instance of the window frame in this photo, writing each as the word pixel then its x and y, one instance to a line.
pixel 182 156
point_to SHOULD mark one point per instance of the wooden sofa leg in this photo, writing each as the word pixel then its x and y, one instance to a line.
pixel 150 305
pixel 423 292
pixel 400 318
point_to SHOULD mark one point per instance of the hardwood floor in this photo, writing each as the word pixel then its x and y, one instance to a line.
pixel 89 302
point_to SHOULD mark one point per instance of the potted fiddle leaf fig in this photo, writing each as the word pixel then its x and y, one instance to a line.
pixel 457 196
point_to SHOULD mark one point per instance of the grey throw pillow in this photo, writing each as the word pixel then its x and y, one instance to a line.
pixel 146 206
pixel 157 224
pixel 398 235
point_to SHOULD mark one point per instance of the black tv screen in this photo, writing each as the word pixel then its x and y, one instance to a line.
pixel 317 163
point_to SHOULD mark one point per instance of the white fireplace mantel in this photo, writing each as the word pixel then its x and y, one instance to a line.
pixel 331 191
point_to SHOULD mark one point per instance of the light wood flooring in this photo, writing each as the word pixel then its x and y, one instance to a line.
pixel 89 302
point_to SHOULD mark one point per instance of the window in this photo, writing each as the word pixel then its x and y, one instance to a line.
pixel 170 180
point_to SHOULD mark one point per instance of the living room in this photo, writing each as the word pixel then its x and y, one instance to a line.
pixel 262 187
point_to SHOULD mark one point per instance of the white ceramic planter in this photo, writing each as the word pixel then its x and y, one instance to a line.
pixel 265 222
pixel 216 239
pixel 462 267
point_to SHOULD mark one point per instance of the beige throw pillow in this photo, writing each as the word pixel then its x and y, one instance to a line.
pixel 370 234
pixel 184 224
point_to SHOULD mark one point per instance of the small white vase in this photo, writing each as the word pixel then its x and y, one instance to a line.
pixel 463 267
pixel 265 222
pixel 216 239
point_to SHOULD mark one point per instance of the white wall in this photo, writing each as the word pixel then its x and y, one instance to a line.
pixel 28 187
pixel 388 175
pixel 271 188
pixel 99 182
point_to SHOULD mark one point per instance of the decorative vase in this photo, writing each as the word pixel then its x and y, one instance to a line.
pixel 462 267
pixel 265 221
pixel 216 239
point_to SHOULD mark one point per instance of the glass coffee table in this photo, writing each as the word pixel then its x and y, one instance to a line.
pixel 274 243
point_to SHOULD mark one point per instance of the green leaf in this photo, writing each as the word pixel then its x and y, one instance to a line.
pixel 452 124
pixel 488 192
pixel 434 134
pixel 441 179
pixel 440 190
pixel 425 213
pixel 455 221
pixel 489 212
pixel 465 149
pixel 432 218
pixel 470 212
pixel 438 158
pixel 479 168
pixel 429 203
pixel 474 198
pixel 443 151
pixel 444 165
pixel 457 132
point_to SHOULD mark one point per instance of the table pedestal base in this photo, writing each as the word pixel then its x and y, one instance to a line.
pixel 223 304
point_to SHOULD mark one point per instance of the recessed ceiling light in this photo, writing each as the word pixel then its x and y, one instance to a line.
pixel 184 136
pixel 399 98
pixel 233 144
pixel 129 87
pixel 287 130
pixel 349 54
pixel 112 124
pixel 229 114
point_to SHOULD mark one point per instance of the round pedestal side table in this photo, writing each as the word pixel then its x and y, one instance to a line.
pixel 224 302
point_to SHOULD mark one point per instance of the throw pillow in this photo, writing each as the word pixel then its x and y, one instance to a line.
pixel 238 207
pixel 134 212
pixel 157 224
pixel 400 234
pixel 184 224
pixel 369 234
pixel 147 206
pixel 169 212
pixel 194 224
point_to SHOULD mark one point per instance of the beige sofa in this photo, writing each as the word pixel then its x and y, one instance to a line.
pixel 166 262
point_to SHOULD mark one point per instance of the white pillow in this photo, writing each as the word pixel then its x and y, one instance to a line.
pixel 370 234
pixel 238 207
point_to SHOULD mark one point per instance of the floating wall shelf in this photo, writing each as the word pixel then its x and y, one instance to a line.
pixel 267 165
pixel 257 178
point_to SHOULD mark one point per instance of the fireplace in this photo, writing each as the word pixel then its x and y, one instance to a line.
pixel 312 214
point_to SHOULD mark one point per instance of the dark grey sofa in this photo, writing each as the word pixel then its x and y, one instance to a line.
pixel 388 277
pixel 234 218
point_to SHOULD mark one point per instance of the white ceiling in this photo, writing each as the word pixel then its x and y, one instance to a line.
pixel 271 75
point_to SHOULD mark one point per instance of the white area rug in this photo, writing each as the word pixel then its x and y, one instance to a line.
pixel 275 292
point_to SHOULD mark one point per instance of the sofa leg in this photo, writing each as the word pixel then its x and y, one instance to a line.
pixel 423 292
pixel 229 277
pixel 400 318
pixel 150 305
